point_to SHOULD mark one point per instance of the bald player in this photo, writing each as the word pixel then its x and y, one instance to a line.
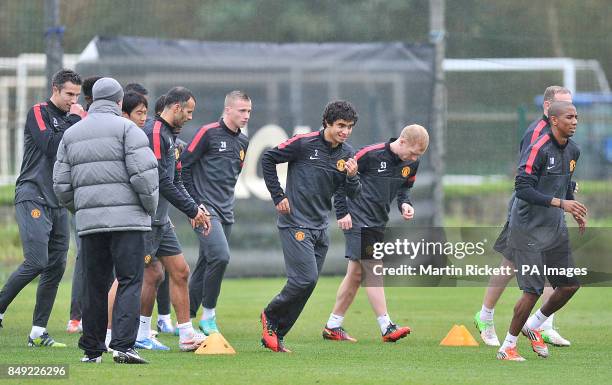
pixel 387 171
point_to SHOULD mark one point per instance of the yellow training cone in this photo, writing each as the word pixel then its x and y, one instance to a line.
pixel 215 344
pixel 458 336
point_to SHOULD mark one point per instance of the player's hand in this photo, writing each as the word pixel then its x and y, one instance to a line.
pixel 582 223
pixel 351 167
pixel 202 219
pixel 207 220
pixel 283 207
pixel 407 211
pixel 77 109
pixel 345 223
pixel 574 207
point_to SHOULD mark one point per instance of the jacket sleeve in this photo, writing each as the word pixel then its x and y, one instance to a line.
pixel 340 203
pixel 352 184
pixel 530 168
pixel 403 194
pixel 167 188
pixel 142 167
pixel 45 137
pixel 571 186
pixel 285 152
pixel 178 182
pixel 189 156
pixel 62 178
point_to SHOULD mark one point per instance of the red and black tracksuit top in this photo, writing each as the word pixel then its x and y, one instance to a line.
pixel 44 129
pixel 384 177
pixel 162 141
pixel 316 172
pixel 545 171
pixel 211 165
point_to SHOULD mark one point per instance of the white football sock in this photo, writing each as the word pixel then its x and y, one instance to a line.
pixel 144 329
pixel 548 324
pixel 208 313
pixel 383 322
pixel 509 342
pixel 108 337
pixel 486 314
pixel 185 331
pixel 536 320
pixel 36 332
pixel 163 317
pixel 334 321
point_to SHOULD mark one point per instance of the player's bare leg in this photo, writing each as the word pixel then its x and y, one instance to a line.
pixel 483 319
pixel 178 272
pixel 344 298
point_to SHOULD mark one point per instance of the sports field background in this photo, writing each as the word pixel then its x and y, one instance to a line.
pixel 417 359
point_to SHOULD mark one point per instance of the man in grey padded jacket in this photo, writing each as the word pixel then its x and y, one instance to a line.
pixel 107 175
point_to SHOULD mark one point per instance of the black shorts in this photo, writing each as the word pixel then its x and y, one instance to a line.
pixel 359 241
pixel 536 266
pixel 162 242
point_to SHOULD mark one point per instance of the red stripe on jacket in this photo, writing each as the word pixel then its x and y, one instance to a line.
pixel 39 119
pixel 534 152
pixel 537 131
pixel 157 139
pixel 200 134
pixel 296 137
pixel 367 149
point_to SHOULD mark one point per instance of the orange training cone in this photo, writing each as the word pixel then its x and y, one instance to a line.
pixel 215 344
pixel 458 336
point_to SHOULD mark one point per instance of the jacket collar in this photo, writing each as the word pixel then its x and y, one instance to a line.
pixel 104 106
pixel 557 144
pixel 328 144
pixel 157 117
pixel 393 155
pixel 55 108
pixel 227 129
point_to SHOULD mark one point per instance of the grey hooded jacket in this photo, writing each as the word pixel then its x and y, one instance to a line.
pixel 106 173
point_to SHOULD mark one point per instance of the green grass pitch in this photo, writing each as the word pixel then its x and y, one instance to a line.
pixel 417 359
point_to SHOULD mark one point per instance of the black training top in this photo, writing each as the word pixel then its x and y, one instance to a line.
pixel 162 141
pixel 384 177
pixel 211 165
pixel 316 172
pixel 44 129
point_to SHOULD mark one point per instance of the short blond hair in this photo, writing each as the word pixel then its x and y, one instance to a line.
pixel 415 133
pixel 235 95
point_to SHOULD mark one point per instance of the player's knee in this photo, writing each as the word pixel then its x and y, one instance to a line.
pixel 355 276
pixel 180 274
pixel 308 282
pixel 220 260
pixel 219 253
pixel 570 290
pixel 154 274
pixel 34 265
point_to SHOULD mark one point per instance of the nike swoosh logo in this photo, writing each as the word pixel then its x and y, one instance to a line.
pixel 222 149
pixel 311 158
pixel 383 170
pixel 550 167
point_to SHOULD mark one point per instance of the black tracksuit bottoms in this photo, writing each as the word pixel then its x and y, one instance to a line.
pixel 125 251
